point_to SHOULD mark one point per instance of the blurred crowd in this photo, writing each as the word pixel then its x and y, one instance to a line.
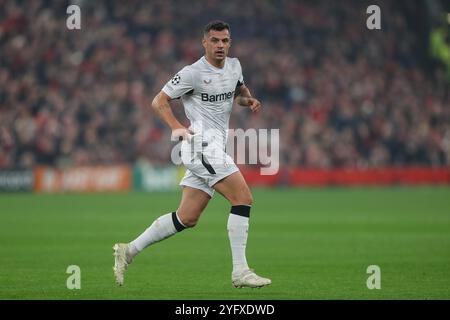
pixel 341 95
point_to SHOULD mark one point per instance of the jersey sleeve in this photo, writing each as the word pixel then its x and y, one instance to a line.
pixel 180 84
pixel 240 82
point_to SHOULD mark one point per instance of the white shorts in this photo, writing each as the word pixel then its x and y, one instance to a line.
pixel 206 165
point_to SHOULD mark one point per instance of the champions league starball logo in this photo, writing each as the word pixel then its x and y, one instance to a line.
pixel 176 79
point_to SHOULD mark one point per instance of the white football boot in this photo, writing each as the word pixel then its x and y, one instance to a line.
pixel 248 278
pixel 120 261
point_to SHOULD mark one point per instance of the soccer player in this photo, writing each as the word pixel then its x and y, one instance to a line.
pixel 207 89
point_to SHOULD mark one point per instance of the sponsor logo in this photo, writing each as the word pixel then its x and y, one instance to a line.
pixel 217 97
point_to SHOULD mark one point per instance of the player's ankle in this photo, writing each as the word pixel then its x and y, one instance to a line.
pixel 131 252
pixel 238 269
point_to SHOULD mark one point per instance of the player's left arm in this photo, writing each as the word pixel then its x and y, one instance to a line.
pixel 245 99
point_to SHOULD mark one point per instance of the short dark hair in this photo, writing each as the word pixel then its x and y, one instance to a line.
pixel 216 25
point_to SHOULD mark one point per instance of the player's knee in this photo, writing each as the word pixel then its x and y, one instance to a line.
pixel 248 199
pixel 243 199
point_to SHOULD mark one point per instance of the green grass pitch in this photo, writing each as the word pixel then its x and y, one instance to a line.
pixel 313 243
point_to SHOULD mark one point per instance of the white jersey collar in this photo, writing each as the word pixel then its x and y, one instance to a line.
pixel 213 67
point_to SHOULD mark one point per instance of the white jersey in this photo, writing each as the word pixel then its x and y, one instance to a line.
pixel 207 94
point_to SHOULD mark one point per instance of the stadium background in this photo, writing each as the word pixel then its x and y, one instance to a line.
pixel 354 107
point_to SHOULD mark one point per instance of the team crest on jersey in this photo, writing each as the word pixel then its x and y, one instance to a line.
pixel 176 79
pixel 207 81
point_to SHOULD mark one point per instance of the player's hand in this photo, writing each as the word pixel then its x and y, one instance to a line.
pixel 182 133
pixel 254 104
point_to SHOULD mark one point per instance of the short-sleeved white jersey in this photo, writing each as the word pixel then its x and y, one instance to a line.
pixel 207 94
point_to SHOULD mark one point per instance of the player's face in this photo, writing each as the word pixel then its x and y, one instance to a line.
pixel 217 44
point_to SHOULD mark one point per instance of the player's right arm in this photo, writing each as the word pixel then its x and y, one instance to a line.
pixel 179 85
pixel 162 108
